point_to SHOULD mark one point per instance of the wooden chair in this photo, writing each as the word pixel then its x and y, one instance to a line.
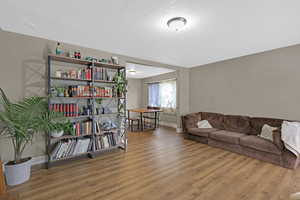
pixel 131 122
pixel 149 118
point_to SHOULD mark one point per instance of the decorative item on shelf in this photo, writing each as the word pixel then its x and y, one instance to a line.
pixel 58 50
pixel 77 55
pixel 108 125
pixel 22 120
pixel 115 60
pixel 58 73
pixel 57 134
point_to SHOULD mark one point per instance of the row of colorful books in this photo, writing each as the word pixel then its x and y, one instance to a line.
pixel 68 109
pixel 72 109
pixel 71 147
pixel 106 141
pixel 84 74
pixel 83 128
pixel 85 91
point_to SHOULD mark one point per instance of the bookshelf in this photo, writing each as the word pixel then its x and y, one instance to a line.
pixel 92 132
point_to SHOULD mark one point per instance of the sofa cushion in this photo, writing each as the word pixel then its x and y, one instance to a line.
pixel 204 132
pixel 258 143
pixel 215 119
pixel 226 136
pixel 237 123
pixel 258 122
pixel 191 120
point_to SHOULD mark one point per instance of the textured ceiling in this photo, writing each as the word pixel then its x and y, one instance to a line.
pixel 216 30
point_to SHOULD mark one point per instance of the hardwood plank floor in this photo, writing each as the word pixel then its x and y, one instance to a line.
pixel 161 165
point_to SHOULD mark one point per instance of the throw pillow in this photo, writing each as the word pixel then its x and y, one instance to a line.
pixel 203 124
pixel 267 132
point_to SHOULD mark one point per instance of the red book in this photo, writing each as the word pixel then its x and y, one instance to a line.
pixel 61 108
pixel 51 107
pixel 67 110
pixel 72 110
pixel 56 108
pixel 77 110
pixel 89 74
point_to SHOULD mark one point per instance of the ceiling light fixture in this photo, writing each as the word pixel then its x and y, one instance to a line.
pixel 176 23
pixel 132 71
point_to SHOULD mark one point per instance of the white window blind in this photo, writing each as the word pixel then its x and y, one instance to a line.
pixel 162 94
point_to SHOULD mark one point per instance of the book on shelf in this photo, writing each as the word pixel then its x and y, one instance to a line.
pixel 71 147
pixel 106 141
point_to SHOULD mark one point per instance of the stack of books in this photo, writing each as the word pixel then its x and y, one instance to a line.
pixel 106 141
pixel 71 147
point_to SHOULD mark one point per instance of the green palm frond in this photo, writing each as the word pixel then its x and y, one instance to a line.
pixel 25 118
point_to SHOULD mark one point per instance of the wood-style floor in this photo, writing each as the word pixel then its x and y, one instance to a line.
pixel 162 165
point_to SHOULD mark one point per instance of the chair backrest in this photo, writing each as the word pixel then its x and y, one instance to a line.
pixel 153 107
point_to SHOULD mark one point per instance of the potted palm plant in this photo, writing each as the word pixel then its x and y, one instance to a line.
pixel 21 121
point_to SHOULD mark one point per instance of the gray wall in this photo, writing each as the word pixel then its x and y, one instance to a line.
pixel 134 93
pixel 22 65
pixel 265 84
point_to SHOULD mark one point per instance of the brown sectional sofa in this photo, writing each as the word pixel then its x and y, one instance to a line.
pixel 240 134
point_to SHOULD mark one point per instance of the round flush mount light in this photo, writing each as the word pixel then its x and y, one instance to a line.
pixel 176 23
pixel 132 71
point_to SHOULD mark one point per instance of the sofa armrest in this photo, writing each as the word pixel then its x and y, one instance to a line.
pixel 190 121
pixel 183 124
pixel 277 139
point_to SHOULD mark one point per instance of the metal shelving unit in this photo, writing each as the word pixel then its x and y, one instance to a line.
pixel 119 116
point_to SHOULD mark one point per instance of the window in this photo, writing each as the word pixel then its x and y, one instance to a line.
pixel 162 94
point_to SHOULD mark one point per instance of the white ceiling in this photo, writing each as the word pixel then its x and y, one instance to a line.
pixel 216 29
pixel 143 71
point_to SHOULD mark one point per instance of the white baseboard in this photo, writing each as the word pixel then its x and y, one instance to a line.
pixel 178 130
pixel 38 160
pixel 168 124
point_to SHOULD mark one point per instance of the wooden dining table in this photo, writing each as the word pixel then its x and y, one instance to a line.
pixel 141 111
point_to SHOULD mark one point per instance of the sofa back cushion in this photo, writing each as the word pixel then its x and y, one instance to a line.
pixel 258 122
pixel 191 120
pixel 237 123
pixel 215 119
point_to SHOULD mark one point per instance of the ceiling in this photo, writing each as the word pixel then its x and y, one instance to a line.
pixel 143 71
pixel 216 30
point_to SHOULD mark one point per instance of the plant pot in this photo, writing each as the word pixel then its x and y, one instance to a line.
pixel 18 173
pixel 57 134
